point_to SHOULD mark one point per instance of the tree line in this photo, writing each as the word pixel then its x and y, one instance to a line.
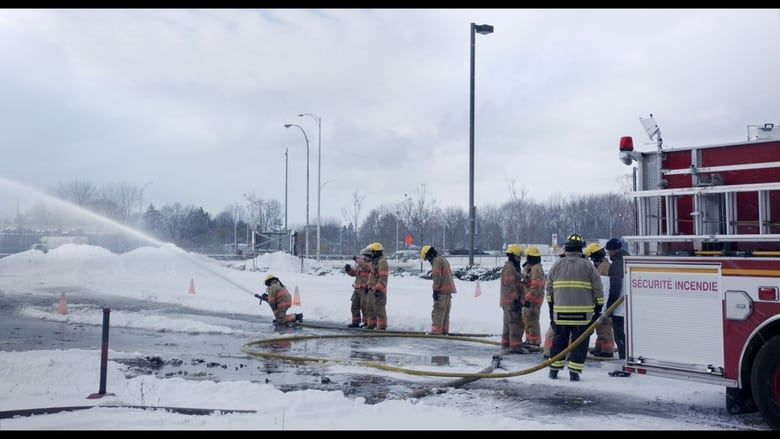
pixel 520 219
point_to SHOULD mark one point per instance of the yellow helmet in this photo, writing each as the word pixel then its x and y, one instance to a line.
pixel 269 278
pixel 591 248
pixel 424 251
pixel 375 247
pixel 514 249
pixel 532 251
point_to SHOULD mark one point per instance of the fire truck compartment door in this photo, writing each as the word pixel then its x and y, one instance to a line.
pixel 675 315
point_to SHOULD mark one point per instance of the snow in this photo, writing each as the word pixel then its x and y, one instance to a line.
pixel 59 378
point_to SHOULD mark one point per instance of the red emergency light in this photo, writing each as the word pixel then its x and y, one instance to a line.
pixel 626 144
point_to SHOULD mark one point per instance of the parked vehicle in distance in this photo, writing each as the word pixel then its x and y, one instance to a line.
pixel 465 251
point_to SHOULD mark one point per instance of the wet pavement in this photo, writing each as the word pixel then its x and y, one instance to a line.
pixel 219 357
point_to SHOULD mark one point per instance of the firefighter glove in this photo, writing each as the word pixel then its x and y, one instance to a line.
pixel 435 296
pixel 516 305
pixel 347 267
pixel 264 297
pixel 377 294
pixel 527 304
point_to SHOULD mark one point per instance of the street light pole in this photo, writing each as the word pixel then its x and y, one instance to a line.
pixel 285 190
pixel 319 173
pixel 483 29
pixel 306 229
pixel 397 215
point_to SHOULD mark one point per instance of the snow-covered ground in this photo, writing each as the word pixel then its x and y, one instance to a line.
pixel 32 379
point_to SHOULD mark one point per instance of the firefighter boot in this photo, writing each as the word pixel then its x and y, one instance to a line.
pixel 553 374
pixel 353 325
pixel 299 317
pixel 574 376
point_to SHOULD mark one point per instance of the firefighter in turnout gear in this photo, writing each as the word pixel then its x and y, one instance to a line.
pixel 280 301
pixel 575 297
pixel 511 302
pixel 548 335
pixel 605 341
pixel 533 275
pixel 377 288
pixel 443 289
pixel 359 299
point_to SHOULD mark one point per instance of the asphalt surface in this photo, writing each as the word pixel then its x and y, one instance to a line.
pixel 219 357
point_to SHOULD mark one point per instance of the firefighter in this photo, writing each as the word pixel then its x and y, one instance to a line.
pixel 605 341
pixel 443 289
pixel 359 299
pixel 548 335
pixel 533 276
pixel 616 252
pixel 511 301
pixel 280 301
pixel 575 297
pixel 377 288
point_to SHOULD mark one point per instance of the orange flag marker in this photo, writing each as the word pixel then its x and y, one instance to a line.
pixel 477 290
pixel 192 286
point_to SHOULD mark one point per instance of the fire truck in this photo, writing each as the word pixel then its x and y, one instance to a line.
pixel 702 300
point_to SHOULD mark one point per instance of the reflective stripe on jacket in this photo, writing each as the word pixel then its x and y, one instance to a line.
pixel 441 273
pixel 534 286
pixel 574 290
pixel 279 297
pixel 360 272
pixel 511 285
pixel 377 280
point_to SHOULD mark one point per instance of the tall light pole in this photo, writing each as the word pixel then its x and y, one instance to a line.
pixel 397 216
pixel 319 172
pixel 318 218
pixel 285 189
pixel 306 229
pixel 483 29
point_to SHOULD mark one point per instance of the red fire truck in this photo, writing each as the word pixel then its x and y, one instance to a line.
pixel 702 284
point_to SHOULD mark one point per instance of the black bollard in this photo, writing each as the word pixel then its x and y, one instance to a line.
pixel 103 358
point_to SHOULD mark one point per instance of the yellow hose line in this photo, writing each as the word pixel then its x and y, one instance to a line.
pixel 246 349
pixel 338 328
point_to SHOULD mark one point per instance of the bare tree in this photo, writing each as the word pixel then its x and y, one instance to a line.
pixel 456 222
pixel 516 217
pixel 421 214
pixel 78 192
pixel 117 200
pixel 353 216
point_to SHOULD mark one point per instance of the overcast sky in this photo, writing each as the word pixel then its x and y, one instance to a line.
pixel 191 104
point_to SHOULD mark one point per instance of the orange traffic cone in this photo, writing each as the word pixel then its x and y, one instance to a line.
pixel 296 296
pixel 63 308
pixel 192 286
pixel 477 290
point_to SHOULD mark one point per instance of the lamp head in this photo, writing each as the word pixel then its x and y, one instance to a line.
pixel 300 115
pixel 483 29
pixel 287 125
